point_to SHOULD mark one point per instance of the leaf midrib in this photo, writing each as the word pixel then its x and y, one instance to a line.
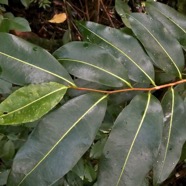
pixel 135 137
pixel 97 67
pixel 169 133
pixel 172 20
pixel 118 49
pixel 179 73
pixel 40 98
pixel 42 69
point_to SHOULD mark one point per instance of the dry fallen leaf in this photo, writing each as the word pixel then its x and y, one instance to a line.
pixel 58 18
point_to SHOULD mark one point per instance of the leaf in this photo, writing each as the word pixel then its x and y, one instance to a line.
pixel 3 177
pixel 101 69
pixel 8 151
pixel 5 87
pixel 26 3
pixel 124 47
pixel 133 143
pixel 30 103
pixel 5 2
pixel 58 18
pixel 173 136
pixel 169 17
pixel 9 22
pixel 58 142
pixel 24 63
pixel 97 149
pixel 163 49
pixel 122 8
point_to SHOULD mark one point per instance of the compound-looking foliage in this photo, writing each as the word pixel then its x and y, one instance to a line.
pixel 112 84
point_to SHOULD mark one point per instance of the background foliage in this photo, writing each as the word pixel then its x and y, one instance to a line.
pixel 108 110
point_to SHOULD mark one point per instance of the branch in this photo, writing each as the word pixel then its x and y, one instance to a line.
pixel 131 89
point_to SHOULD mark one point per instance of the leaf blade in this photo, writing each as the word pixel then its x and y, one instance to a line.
pixel 35 64
pixel 101 69
pixel 133 143
pixel 72 120
pixel 122 47
pixel 163 49
pixel 171 19
pixel 30 103
pixel 173 136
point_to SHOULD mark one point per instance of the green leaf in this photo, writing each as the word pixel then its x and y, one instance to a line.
pixel 26 3
pixel 8 151
pixel 97 149
pixel 122 8
pixel 163 49
pixel 20 24
pixel 5 2
pixel 5 87
pixel 95 65
pixel 169 17
pixel 173 136
pixel 124 47
pixel 9 22
pixel 30 103
pixel 58 142
pixel 4 176
pixel 133 143
pixel 79 169
pixel 24 63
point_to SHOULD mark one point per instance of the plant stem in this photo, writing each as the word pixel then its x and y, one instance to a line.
pixel 131 89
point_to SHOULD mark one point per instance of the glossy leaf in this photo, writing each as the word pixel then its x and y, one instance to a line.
pixel 122 8
pixel 163 49
pixel 30 103
pixel 124 47
pixel 133 143
pixel 23 63
pixel 173 135
pixel 169 17
pixel 95 65
pixel 58 142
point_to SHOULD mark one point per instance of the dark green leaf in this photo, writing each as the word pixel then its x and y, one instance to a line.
pixel 8 151
pixel 9 22
pixel 3 177
pixel 124 47
pixel 23 63
pixel 79 169
pixel 5 2
pixel 73 180
pixel 5 87
pixel 122 8
pixel 58 142
pixel 133 143
pixel 97 149
pixel 30 103
pixel 171 19
pixel 173 136
pixel 26 3
pixel 163 49
pixel 95 65
pixel 90 173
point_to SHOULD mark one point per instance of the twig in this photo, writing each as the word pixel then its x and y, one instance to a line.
pixel 131 89
pixel 86 10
